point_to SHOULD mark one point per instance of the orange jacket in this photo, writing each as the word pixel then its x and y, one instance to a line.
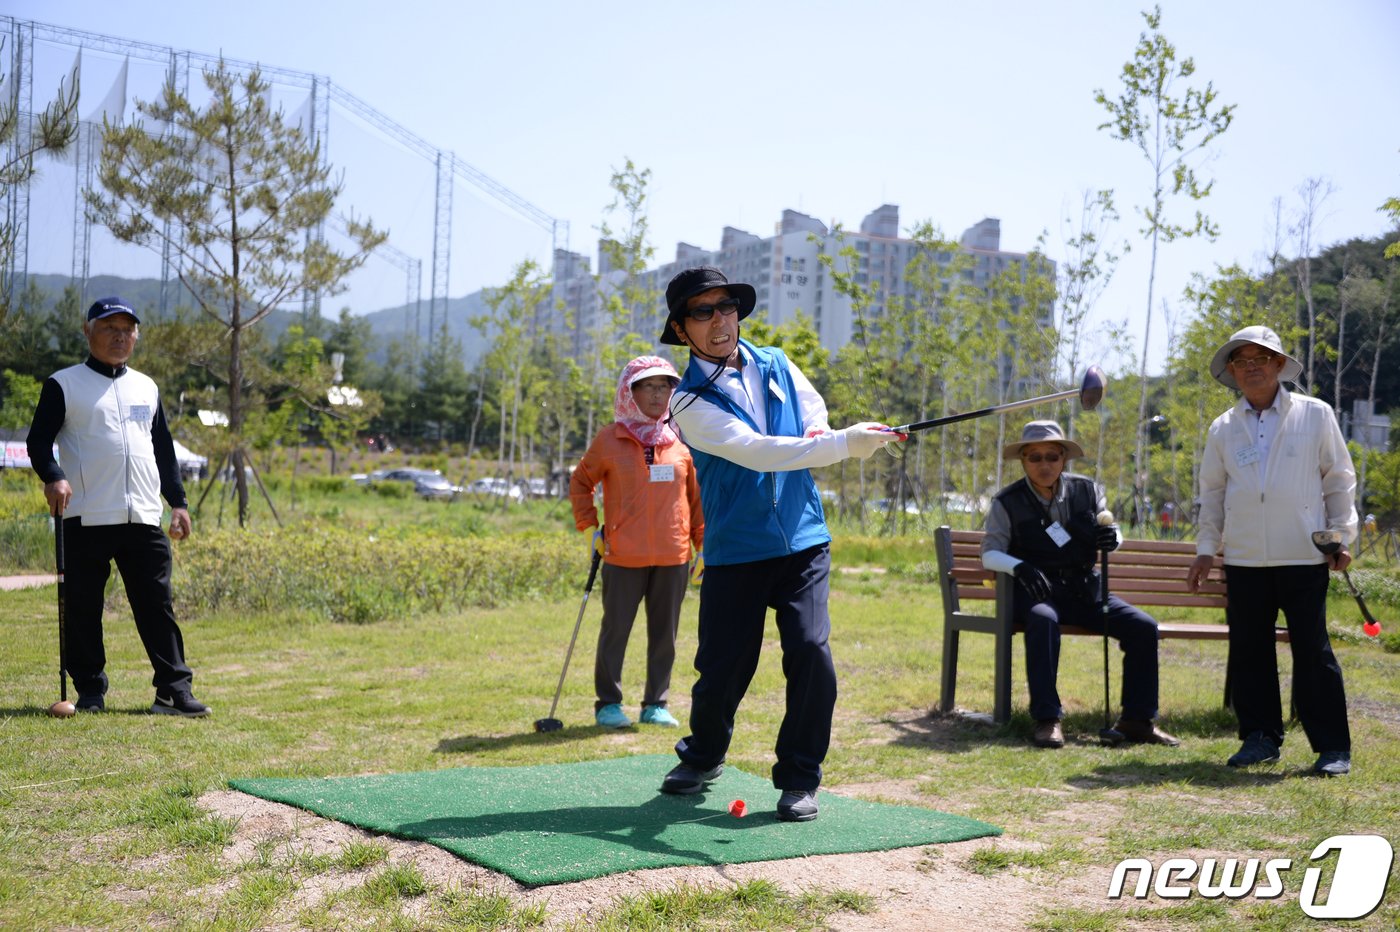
pixel 648 523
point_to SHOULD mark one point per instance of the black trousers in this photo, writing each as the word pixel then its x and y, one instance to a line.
pixel 1257 594
pixel 142 554
pixel 624 588
pixel 734 601
pixel 1133 629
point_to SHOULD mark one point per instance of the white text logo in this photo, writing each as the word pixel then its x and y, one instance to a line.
pixel 1358 881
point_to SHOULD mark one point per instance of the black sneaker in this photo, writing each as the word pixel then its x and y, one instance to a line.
pixel 797 805
pixel 685 779
pixel 92 703
pixel 179 703
pixel 1258 748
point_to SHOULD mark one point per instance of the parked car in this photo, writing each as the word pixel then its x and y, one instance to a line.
pixel 435 485
pixel 494 485
pixel 429 483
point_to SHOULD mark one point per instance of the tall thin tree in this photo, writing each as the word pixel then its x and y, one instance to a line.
pixel 234 190
pixel 1171 132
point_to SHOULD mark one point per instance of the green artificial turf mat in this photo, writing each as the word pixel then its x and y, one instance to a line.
pixel 563 822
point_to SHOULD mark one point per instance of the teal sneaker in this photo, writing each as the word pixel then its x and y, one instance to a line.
pixel 657 715
pixel 612 716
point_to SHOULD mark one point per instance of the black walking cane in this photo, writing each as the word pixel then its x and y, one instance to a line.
pixel 551 723
pixel 62 708
pixel 1108 735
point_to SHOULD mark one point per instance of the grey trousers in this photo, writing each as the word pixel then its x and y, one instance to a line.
pixel 624 589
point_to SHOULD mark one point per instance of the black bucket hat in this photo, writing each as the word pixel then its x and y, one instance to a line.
pixel 692 282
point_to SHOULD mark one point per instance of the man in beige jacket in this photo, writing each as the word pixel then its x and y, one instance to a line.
pixel 1275 469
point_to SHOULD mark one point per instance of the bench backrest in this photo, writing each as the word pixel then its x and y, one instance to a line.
pixel 1144 572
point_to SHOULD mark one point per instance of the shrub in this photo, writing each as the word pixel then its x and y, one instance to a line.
pixel 350 576
pixel 392 489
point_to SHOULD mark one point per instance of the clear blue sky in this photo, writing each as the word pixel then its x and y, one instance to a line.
pixel 952 111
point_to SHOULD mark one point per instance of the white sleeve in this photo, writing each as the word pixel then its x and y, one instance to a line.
pixel 1338 480
pixel 710 429
pixel 1210 520
pixel 811 404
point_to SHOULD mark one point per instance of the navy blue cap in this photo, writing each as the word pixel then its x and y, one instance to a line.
pixel 106 307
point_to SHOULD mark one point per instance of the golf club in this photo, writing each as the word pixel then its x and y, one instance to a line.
pixel 1108 735
pixel 62 708
pixel 551 723
pixel 1329 542
pixel 1089 392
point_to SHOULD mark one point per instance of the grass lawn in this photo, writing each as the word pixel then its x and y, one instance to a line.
pixel 99 826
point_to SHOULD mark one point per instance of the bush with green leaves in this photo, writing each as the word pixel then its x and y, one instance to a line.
pixel 350 575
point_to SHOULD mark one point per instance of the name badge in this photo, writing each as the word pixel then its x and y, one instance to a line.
pixel 139 413
pixel 663 472
pixel 1058 534
pixel 1246 456
pixel 777 392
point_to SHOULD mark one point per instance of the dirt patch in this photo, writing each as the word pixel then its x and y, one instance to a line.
pixel 912 888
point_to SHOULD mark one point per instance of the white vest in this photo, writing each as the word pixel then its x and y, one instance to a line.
pixel 105 446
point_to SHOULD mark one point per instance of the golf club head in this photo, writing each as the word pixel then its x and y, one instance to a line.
pixel 1111 737
pixel 1327 542
pixel 543 725
pixel 1091 389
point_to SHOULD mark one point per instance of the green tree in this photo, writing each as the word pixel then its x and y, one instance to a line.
pixel 235 191
pixel 512 308
pixel 443 393
pixel 627 305
pixel 22 137
pixel 18 400
pixel 1172 133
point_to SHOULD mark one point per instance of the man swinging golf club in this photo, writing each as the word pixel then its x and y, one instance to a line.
pixel 1043 530
pixel 755 425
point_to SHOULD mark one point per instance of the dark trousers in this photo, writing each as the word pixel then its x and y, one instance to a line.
pixel 733 603
pixel 1257 594
pixel 624 588
pixel 142 553
pixel 1133 629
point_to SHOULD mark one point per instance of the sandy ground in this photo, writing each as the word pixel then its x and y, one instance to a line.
pixel 912 888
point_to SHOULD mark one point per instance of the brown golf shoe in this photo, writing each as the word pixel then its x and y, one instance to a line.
pixel 1145 733
pixel 1048 734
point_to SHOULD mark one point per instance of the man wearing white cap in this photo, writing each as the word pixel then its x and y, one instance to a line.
pixel 1275 469
pixel 1043 530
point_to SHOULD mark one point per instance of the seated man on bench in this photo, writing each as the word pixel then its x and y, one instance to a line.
pixel 1043 530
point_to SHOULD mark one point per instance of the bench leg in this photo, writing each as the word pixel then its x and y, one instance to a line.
pixel 949 688
pixel 1001 709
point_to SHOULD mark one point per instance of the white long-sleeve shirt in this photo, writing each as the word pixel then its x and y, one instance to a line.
pixel 713 430
pixel 1263 514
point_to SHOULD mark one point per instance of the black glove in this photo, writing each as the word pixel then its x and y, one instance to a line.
pixel 1106 538
pixel 1033 581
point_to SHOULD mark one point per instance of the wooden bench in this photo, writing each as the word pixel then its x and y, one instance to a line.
pixel 1143 572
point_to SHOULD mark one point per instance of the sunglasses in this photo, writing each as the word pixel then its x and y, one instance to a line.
pixel 1042 457
pixel 704 312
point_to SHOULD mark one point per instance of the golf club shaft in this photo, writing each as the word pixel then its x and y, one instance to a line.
pixel 1360 602
pixel 1103 612
pixel 62 606
pixel 983 412
pixel 587 591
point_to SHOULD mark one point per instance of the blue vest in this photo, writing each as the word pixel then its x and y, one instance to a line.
pixel 753 515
